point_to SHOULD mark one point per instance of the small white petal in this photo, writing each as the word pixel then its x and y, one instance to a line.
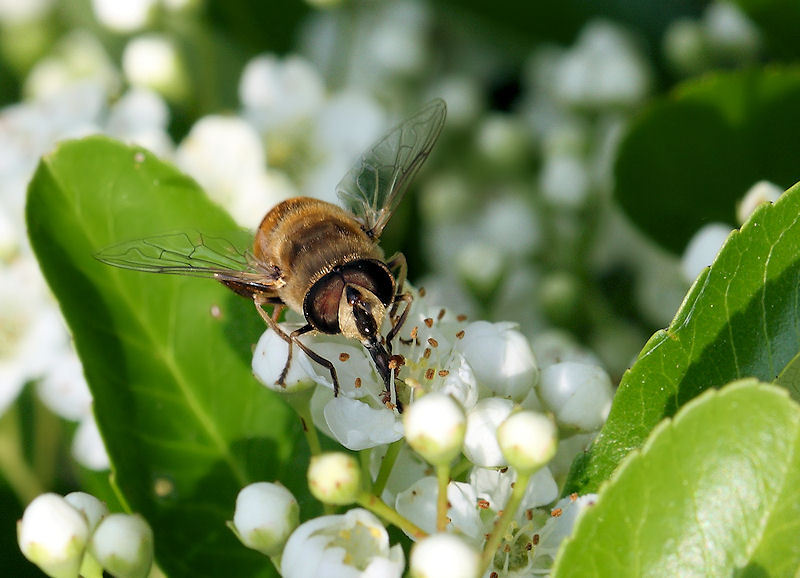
pixel 559 527
pixel 269 359
pixel 64 389
pixel 501 358
pixel 357 425
pixel 122 16
pixel 495 487
pixel 418 504
pixel 88 446
pixel 480 442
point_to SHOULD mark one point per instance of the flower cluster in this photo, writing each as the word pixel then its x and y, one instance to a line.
pixel 76 534
pixel 469 455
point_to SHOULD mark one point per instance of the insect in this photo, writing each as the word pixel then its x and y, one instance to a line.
pixel 316 258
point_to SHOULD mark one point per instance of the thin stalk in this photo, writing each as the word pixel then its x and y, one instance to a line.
pixel 378 507
pixel 517 493
pixel 443 479
pixel 386 466
pixel 16 471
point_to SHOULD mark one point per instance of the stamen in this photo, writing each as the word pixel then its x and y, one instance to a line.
pixel 460 334
pixel 441 314
pixel 461 318
pixel 358 382
pixel 443 373
pixel 344 356
pixel 432 342
pixel 428 322
pixel 429 373
pixel 556 513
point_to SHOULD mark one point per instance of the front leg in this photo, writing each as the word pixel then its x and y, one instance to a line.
pixel 291 338
pixel 398 263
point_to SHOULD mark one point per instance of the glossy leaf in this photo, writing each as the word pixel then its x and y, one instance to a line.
pixel 739 319
pixel 714 492
pixel 689 158
pixel 167 358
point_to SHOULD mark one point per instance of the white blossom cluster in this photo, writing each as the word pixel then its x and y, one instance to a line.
pixel 472 396
pixel 76 534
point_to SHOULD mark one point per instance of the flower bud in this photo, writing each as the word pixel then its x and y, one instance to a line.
pixel 579 394
pixel 53 534
pixel 265 516
pixel 434 427
pixel 93 509
pixel 528 440
pixel 334 478
pixel 123 545
pixel 444 555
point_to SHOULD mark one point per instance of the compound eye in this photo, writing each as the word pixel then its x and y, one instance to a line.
pixel 321 304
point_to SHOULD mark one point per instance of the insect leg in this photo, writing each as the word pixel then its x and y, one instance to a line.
pixel 398 263
pixel 315 356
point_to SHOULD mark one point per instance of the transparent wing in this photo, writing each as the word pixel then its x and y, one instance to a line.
pixel 194 254
pixel 372 189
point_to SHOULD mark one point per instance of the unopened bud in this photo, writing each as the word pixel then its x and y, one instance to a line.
pixel 528 440
pixel 334 478
pixel 265 516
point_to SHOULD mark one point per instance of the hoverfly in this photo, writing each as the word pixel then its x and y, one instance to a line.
pixel 316 258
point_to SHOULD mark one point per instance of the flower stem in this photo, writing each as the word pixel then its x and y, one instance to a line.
pixel 301 403
pixel 386 466
pixel 443 479
pixel 13 466
pixel 378 507
pixel 517 493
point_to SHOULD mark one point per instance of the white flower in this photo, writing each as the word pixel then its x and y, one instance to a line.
pixel 730 33
pixel 278 93
pixel 564 180
pixel 357 425
pixel 528 440
pixel 23 11
pixel 266 514
pixel 123 545
pixel 760 193
pixel 334 478
pixel 354 544
pixel 703 247
pixel 78 59
pixel 123 16
pixel 93 509
pixel 32 333
pixel 579 394
pixel 53 534
pixel 480 442
pixel 603 69
pixel 501 358
pixel 434 427
pixel 408 467
pixel 269 359
pixel 560 524
pixel 152 61
pixel 443 555
pixel 88 447
pixel 63 388
pixel 222 152
pixel 141 117
pixel 495 485
pixel 418 504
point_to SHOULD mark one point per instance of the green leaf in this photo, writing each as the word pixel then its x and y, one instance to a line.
pixel 739 319
pixel 185 423
pixel 690 157
pixel 714 492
